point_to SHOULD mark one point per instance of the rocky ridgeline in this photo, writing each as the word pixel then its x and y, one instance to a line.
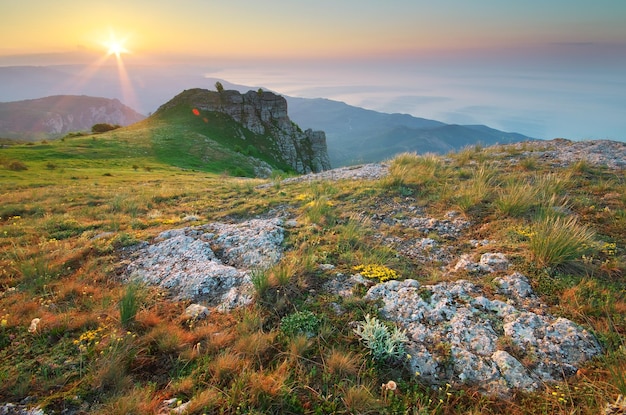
pixel 264 113
pixel 561 152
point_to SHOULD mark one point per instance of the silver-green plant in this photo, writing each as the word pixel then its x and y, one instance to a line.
pixel 383 344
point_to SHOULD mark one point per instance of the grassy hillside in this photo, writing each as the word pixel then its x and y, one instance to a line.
pixel 67 219
pixel 209 141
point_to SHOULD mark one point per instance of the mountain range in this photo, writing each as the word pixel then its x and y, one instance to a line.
pixel 353 135
pixel 55 116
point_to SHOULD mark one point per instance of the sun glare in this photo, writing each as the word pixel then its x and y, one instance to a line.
pixel 116 47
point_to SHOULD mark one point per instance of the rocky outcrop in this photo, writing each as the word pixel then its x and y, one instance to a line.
pixel 211 263
pixel 264 113
pixel 55 116
pixel 460 336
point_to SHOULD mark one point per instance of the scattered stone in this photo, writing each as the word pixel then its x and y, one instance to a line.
pixel 190 218
pixel 465 263
pixel 493 262
pixel 457 335
pixel 476 243
pixel 489 263
pixel 617 408
pixel 449 229
pixel 611 154
pixel 173 406
pixel 373 171
pixel 13 409
pixel 33 325
pixel 196 312
pixel 291 223
pixel 344 286
pixel 326 267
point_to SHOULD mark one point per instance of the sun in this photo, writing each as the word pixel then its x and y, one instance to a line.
pixel 116 46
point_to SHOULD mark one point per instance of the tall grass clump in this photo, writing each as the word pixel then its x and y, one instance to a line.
pixel 413 169
pixel 516 200
pixel 477 190
pixel 557 241
pixel 129 304
pixel 260 281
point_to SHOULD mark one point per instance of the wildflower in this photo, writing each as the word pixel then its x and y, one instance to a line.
pixel 391 385
pixel 4 322
pixel 33 325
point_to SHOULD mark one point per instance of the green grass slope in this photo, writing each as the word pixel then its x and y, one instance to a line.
pixel 173 138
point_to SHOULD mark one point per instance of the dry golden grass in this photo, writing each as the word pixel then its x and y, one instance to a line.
pixel 269 385
pixel 226 366
pixel 207 401
pixel 255 345
pixel 341 363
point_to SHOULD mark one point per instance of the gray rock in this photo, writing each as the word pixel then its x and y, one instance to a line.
pixel 494 262
pixel 13 409
pixel 454 335
pixel 343 285
pixel 211 262
pixel 489 263
pixel 515 285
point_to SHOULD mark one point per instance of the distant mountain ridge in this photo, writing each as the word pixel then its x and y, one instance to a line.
pixel 55 116
pixel 355 135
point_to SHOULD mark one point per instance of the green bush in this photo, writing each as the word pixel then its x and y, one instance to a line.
pixel 300 322
pixel 17 165
pixel 104 127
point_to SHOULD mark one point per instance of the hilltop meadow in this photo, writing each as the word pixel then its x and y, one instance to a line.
pixel 76 337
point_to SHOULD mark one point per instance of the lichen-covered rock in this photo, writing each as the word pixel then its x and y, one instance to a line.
pixel 488 263
pixel 13 409
pixel 458 335
pixel 211 262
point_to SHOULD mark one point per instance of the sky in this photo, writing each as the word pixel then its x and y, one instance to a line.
pixel 542 68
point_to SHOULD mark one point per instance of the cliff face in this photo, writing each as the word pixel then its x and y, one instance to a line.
pixel 264 113
pixel 55 116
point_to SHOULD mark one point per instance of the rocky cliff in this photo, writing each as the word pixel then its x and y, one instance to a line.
pixel 263 113
pixel 55 116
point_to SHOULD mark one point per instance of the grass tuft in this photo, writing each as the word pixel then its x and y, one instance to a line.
pixel 556 241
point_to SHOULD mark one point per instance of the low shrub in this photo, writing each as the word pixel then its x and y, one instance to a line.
pixel 384 344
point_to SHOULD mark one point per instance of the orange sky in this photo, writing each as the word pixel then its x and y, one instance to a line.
pixel 296 29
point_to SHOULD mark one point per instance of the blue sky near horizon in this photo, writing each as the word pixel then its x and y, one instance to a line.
pixel 542 68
